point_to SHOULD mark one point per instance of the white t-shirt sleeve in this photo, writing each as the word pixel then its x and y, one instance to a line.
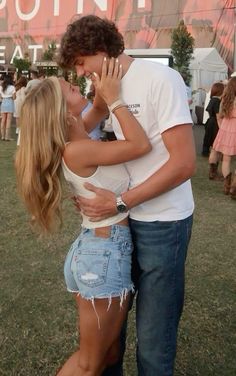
pixel 170 100
pixel 12 90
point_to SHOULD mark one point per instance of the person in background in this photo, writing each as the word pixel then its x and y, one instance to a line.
pixel 34 81
pixel 188 91
pixel 20 86
pixel 211 130
pixel 7 93
pixel 225 141
pixel 96 133
pixel 107 129
pixel 41 75
pixel 1 81
pixel 160 196
pixel 98 266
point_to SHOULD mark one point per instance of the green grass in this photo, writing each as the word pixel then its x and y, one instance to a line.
pixel 38 316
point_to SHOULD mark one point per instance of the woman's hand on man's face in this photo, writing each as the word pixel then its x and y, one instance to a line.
pixel 108 85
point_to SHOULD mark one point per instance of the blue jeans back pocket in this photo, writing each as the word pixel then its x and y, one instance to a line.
pixel 89 267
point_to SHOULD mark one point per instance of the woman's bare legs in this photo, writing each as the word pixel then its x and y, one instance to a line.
pixel 226 165
pixel 8 126
pixel 99 337
pixel 3 125
pixel 214 156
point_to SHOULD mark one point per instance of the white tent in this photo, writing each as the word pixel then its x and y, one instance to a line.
pixel 206 68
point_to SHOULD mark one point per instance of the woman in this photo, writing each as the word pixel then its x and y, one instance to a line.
pixel 225 141
pixel 7 91
pixel 211 129
pixel 97 267
pixel 20 97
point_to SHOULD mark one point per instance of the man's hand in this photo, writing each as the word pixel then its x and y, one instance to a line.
pixel 100 207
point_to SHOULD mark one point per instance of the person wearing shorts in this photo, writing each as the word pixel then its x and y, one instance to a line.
pixel 98 266
pixel 7 92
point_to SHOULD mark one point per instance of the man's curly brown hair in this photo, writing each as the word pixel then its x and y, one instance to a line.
pixel 88 36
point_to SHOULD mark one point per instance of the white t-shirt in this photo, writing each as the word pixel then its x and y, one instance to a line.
pixel 156 95
pixel 31 84
pixel 8 93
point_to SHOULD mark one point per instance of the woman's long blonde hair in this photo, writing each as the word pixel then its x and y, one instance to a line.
pixel 43 136
pixel 228 99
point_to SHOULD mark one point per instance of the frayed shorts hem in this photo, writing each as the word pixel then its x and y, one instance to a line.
pixel 123 293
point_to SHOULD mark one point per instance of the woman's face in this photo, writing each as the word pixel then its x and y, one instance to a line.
pixel 75 102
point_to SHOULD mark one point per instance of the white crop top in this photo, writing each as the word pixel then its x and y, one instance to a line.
pixel 114 178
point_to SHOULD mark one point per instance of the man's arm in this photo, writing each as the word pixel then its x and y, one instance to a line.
pixel 179 168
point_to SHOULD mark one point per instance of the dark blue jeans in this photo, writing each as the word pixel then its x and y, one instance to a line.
pixel 158 272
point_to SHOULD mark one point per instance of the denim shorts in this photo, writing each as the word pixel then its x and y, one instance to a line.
pixel 98 267
pixel 7 105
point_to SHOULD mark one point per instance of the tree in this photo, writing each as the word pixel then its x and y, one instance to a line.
pixel 49 54
pixel 22 64
pixel 182 50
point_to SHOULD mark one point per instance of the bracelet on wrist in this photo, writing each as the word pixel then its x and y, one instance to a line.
pixel 117 104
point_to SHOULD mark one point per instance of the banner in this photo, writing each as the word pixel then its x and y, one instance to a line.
pixel 28 26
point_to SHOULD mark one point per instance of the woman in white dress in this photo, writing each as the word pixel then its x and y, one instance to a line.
pixel 7 91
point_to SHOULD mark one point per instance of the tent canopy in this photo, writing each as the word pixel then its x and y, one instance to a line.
pixel 209 59
pixel 206 68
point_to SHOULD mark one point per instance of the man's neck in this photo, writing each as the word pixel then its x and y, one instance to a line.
pixel 126 61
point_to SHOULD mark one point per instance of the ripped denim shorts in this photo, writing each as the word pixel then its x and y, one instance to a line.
pixel 98 267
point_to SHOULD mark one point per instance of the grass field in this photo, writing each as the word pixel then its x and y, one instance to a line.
pixel 37 315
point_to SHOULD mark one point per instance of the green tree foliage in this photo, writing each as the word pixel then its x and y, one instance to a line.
pixel 182 49
pixel 81 81
pixel 49 54
pixel 21 64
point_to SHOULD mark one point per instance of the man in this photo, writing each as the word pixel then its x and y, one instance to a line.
pixel 96 133
pixel 34 81
pixel 188 90
pixel 160 197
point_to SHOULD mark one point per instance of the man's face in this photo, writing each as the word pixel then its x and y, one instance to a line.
pixel 86 65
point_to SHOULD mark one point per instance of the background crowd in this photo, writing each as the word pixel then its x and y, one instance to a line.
pixel 12 94
pixel 220 104
pixel 219 143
